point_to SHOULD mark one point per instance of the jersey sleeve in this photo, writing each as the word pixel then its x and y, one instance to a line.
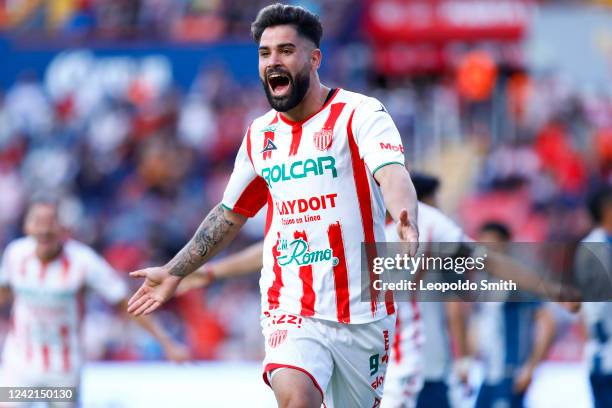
pixel 377 137
pixel 246 192
pixel 102 279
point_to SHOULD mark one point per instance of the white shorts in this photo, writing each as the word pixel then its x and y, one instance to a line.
pixel 404 381
pixel 346 362
pixel 405 375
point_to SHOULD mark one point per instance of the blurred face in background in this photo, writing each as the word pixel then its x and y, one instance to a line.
pixel 42 224
pixel 286 63
pixel 493 240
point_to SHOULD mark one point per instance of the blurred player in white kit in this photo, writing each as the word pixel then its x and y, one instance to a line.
pixel 46 276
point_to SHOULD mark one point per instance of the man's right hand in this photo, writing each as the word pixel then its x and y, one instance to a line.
pixel 158 287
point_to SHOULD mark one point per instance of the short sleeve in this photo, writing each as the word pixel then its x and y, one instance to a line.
pixel 102 279
pixel 378 139
pixel 246 192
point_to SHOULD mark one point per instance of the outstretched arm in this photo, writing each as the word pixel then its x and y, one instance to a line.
pixel 173 350
pixel 400 200
pixel 249 260
pixel 218 229
pixel 543 339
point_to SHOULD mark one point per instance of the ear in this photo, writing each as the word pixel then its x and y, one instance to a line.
pixel 315 58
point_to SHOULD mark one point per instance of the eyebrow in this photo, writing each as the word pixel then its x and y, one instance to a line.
pixel 282 45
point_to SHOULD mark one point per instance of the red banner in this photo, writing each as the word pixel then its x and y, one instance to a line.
pixel 447 20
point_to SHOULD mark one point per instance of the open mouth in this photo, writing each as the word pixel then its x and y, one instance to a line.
pixel 279 83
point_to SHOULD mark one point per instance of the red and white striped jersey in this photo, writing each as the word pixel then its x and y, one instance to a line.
pixel 44 336
pixel 323 202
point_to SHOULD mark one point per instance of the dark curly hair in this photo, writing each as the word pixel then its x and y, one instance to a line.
pixel 306 23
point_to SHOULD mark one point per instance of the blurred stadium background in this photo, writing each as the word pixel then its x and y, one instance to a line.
pixel 134 109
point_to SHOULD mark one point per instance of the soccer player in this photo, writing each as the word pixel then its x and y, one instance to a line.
pixel 46 275
pixel 328 162
pixel 514 337
pixel 598 315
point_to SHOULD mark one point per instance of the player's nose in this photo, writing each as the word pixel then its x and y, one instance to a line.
pixel 273 61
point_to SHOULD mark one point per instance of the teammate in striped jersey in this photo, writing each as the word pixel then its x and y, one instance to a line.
pixel 329 162
pixel 46 276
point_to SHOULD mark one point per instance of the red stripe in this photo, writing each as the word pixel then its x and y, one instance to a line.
pixel 269 214
pixel 271 367
pixel 253 198
pixel 365 207
pixel 389 302
pixel 397 340
pixel 269 135
pixel 296 137
pixel 277 284
pixel 45 357
pixel 65 267
pixel 334 233
pixel 65 347
pixel 416 316
pixel 334 113
pixel 308 294
pixel 292 122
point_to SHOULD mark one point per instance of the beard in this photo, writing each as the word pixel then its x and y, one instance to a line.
pixel 298 88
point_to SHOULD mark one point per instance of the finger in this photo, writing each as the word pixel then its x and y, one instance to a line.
pixel 138 274
pixel 153 307
pixel 139 293
pixel 138 303
pixel 144 306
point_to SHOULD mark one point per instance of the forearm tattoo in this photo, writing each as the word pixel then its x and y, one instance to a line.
pixel 210 233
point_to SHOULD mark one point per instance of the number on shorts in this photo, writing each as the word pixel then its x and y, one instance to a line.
pixel 374 364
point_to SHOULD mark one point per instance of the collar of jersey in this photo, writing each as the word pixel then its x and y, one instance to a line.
pixel 325 105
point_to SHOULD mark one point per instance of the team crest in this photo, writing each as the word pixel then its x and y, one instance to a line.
pixel 323 139
pixel 277 338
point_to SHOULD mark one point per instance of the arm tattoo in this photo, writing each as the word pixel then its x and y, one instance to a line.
pixel 210 233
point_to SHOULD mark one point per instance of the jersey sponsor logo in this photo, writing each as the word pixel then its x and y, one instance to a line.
pixel 299 169
pixel 277 338
pixel 269 146
pixel 392 147
pixel 323 139
pixel 298 252
pixel 302 205
pixel 284 319
pixel 385 358
pixel 378 381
